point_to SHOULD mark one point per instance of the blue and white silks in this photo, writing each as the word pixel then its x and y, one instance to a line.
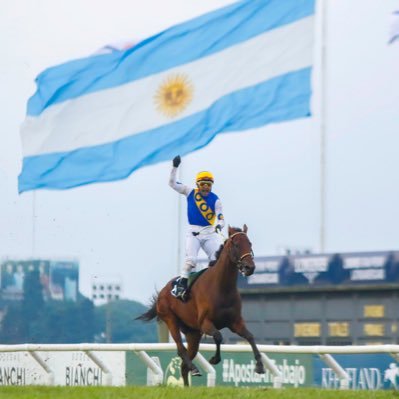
pixel 100 118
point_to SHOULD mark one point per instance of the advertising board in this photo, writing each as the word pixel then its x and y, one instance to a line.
pixel 366 372
pixel 235 369
pixel 69 368
pixel 314 270
pixel 59 278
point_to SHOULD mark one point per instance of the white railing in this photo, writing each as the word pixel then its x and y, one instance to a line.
pixel 325 353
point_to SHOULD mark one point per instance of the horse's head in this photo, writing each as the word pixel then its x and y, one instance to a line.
pixel 241 250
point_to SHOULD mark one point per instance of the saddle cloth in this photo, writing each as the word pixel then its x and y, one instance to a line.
pixel 192 278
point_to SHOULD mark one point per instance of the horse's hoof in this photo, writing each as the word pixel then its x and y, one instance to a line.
pixel 259 369
pixel 195 372
pixel 214 360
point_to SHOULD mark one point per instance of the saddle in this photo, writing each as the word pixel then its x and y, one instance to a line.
pixel 192 278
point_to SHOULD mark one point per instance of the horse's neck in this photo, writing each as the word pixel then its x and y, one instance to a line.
pixel 226 272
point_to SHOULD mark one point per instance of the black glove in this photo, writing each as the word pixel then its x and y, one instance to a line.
pixel 218 228
pixel 176 161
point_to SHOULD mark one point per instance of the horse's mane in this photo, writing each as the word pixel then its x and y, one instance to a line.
pixel 219 251
pixel 217 256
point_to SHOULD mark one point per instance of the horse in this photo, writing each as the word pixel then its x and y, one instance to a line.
pixel 213 303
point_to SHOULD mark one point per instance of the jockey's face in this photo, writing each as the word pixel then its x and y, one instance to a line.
pixel 205 187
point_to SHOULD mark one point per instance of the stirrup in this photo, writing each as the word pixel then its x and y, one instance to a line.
pixel 179 291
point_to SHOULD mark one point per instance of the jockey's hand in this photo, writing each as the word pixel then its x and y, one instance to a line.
pixel 176 161
pixel 218 228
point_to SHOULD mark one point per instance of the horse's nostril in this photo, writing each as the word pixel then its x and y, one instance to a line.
pixel 248 270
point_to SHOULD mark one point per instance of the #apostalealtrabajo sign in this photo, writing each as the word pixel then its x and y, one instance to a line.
pixel 235 369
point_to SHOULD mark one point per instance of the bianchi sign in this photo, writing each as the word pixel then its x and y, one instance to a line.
pixel 68 368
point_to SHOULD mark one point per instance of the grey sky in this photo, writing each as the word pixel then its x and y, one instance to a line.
pixel 267 178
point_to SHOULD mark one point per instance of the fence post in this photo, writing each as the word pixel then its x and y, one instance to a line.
pixel 101 364
pixel 44 365
pixel 341 373
pixel 210 370
pixel 277 376
pixel 152 365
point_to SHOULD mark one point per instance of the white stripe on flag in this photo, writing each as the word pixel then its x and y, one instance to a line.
pixel 112 114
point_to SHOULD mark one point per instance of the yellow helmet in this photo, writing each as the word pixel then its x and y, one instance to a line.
pixel 204 176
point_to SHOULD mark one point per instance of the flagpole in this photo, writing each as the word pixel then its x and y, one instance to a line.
pixel 33 223
pixel 179 222
pixel 163 331
pixel 323 124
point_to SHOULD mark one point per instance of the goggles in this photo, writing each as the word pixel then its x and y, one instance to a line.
pixel 203 183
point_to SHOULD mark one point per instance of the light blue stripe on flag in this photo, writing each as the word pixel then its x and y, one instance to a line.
pixel 178 45
pixel 103 117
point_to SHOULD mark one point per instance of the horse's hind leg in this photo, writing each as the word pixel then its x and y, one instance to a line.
pixel 209 328
pixel 193 339
pixel 174 329
pixel 240 329
pixel 184 373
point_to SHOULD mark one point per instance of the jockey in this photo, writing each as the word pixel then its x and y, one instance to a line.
pixel 205 218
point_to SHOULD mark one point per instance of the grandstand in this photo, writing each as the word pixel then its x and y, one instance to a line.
pixel 323 299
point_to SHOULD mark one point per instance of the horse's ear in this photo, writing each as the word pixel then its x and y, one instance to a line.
pixel 230 230
pixel 245 228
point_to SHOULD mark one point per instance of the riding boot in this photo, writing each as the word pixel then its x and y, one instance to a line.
pixel 179 290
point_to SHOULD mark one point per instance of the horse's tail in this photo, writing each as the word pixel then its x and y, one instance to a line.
pixel 151 313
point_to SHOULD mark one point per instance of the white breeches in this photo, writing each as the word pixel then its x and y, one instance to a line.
pixel 210 243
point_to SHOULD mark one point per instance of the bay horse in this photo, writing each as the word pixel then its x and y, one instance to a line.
pixel 213 303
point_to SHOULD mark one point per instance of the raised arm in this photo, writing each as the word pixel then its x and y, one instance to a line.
pixel 179 187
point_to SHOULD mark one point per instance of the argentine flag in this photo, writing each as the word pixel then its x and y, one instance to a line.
pixel 100 118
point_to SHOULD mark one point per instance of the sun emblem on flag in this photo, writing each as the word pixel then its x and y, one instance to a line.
pixel 174 95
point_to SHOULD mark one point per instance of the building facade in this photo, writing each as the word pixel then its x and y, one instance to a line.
pixel 59 278
pixel 327 299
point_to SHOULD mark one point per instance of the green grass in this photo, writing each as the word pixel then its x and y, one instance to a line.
pixel 183 393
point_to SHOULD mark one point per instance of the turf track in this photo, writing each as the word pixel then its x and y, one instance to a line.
pixel 188 393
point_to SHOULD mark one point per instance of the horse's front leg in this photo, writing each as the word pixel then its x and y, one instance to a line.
pixel 239 328
pixel 208 328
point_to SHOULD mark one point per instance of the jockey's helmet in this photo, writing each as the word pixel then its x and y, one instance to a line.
pixel 204 176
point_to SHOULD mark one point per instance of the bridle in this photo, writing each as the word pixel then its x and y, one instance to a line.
pixel 239 262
